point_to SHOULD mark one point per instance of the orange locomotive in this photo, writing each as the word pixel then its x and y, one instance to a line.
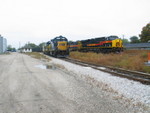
pixel 100 44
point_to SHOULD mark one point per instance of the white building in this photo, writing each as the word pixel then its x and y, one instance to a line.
pixel 3 44
pixel 26 50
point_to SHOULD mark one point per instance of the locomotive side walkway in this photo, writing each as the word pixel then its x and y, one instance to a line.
pixel 26 86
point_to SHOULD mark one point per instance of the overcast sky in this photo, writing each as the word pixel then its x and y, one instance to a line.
pixel 41 20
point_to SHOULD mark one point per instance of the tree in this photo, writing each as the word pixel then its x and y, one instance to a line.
pixel 145 33
pixel 35 48
pixel 134 39
pixel 10 48
pixel 32 45
pixel 42 44
pixel 125 40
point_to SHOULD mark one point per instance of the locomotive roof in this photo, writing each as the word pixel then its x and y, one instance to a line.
pixel 113 36
pixel 99 38
pixel 59 38
pixel 48 42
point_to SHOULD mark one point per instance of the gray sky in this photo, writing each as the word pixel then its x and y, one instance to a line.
pixel 41 20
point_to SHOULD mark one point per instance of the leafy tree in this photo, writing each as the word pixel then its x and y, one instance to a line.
pixel 13 50
pixel 10 48
pixel 134 39
pixel 125 40
pixel 145 33
pixel 41 44
pixel 35 48
pixel 32 45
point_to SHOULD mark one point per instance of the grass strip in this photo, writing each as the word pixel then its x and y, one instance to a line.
pixel 129 59
pixel 38 55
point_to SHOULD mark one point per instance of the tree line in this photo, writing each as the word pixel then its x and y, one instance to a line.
pixel 34 47
pixel 144 37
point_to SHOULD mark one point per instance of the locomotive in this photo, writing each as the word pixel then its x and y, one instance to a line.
pixel 57 47
pixel 100 44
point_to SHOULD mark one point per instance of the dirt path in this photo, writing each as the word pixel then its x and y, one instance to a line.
pixel 25 88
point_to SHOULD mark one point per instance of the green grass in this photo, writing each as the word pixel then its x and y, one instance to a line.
pixel 129 59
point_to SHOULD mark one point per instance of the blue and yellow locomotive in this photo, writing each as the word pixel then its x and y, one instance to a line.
pixel 57 47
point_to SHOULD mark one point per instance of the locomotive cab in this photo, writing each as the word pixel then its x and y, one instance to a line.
pixel 117 45
pixel 60 47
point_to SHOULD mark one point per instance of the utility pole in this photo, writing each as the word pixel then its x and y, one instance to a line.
pixel 123 37
pixel 19 45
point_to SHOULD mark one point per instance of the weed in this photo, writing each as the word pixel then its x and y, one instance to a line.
pixel 129 59
pixel 38 56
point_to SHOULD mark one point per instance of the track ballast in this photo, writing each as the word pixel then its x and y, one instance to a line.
pixel 132 75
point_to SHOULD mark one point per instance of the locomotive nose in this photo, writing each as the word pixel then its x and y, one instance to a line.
pixel 62 46
pixel 118 43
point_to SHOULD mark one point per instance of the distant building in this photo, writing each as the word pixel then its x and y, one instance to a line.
pixel 3 44
pixel 26 49
pixel 145 46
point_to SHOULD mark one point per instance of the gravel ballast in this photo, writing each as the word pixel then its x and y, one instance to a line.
pixel 135 92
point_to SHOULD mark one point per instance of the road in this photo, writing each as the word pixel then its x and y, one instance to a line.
pixel 25 88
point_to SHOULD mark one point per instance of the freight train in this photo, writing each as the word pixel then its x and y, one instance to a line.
pixel 57 47
pixel 100 44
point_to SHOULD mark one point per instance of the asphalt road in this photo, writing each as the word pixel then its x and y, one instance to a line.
pixel 25 88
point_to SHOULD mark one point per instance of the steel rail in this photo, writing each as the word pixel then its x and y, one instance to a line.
pixel 132 75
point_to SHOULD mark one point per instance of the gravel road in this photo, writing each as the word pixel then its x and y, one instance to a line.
pixel 26 88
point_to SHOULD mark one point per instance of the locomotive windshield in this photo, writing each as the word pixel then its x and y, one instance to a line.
pixel 48 43
pixel 112 37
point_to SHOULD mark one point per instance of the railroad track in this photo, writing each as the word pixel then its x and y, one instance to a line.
pixel 132 75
